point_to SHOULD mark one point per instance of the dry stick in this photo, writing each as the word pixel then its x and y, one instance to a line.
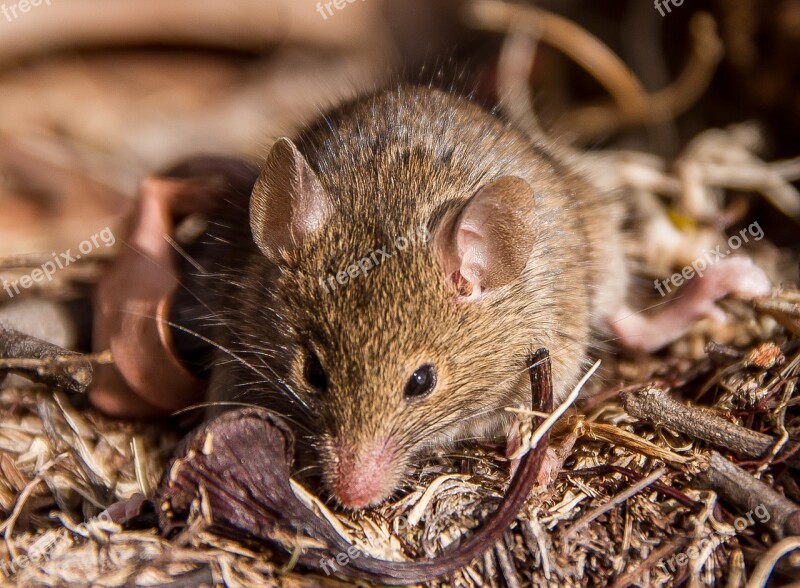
pixel 514 66
pixel 735 569
pixel 662 552
pixel 507 565
pixel 43 361
pixel 782 309
pixel 633 105
pixel 537 538
pixel 33 260
pixel 665 104
pixel 756 177
pixel 768 561
pixel 605 469
pixel 619 498
pixel 746 492
pixel 618 436
pixel 655 406
pixel 577 43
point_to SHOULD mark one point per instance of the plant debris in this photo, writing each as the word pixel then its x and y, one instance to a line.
pixel 646 480
pixel 233 476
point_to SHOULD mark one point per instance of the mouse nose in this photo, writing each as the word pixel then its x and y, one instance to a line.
pixel 363 477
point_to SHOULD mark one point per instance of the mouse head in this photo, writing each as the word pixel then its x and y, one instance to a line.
pixel 404 356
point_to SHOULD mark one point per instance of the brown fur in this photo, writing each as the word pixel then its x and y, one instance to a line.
pixel 393 162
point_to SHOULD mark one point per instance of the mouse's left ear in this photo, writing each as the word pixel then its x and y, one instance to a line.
pixel 288 202
pixel 489 241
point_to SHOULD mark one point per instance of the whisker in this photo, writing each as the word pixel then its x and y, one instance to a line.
pixel 230 353
pixel 182 252
pixel 214 315
pixel 210 403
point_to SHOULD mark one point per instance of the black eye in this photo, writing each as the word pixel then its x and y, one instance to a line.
pixel 314 372
pixel 421 383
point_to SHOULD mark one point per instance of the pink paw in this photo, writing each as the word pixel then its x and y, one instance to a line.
pixel 696 300
pixel 735 275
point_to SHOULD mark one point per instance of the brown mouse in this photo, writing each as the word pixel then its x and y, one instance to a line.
pixel 402 259
pixel 506 251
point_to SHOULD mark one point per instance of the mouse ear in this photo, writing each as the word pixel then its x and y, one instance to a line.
pixel 490 240
pixel 288 202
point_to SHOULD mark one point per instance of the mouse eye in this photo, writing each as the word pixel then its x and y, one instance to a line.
pixel 421 383
pixel 314 372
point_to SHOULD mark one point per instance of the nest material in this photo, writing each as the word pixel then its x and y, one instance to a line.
pixel 628 493
pixel 61 466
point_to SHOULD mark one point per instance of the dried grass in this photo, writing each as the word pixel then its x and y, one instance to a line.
pixel 61 465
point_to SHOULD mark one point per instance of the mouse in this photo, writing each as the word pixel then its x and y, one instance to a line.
pixel 383 279
pixel 403 258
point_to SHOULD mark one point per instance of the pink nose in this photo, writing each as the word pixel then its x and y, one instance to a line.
pixel 363 478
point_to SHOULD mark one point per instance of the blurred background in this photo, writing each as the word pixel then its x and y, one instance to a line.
pixel 693 109
pixel 96 95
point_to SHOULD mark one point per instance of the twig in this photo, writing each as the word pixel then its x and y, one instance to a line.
pixel 514 66
pixel 45 362
pixel 619 498
pixel 507 565
pixel 605 469
pixel 33 260
pixel 756 177
pixel 577 43
pixel 768 561
pixel 784 308
pixel 746 492
pixel 537 539
pixel 613 434
pixel 533 440
pixel 662 552
pixel 200 576
pixel 633 104
pixel 665 104
pixel 513 71
pixel 735 569
pixel 655 406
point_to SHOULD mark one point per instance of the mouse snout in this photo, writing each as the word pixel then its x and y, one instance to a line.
pixel 363 476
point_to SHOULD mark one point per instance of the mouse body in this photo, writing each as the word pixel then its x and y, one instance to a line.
pixel 402 259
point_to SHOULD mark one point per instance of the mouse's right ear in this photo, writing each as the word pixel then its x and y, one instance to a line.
pixel 488 242
pixel 288 202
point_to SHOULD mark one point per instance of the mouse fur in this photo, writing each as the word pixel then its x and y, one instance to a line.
pixel 406 162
